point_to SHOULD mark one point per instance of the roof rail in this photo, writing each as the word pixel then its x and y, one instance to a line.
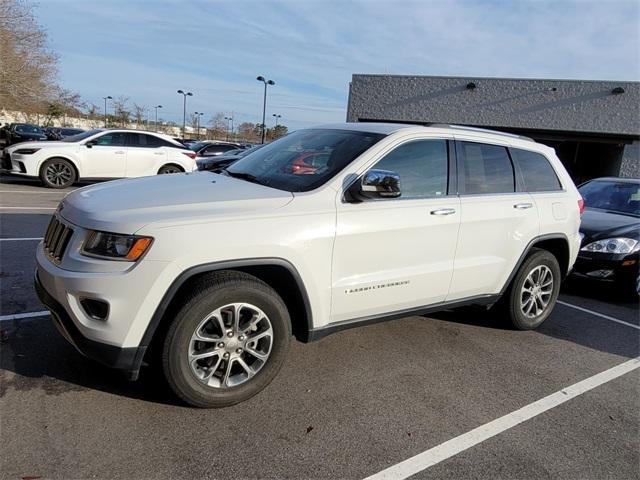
pixel 483 130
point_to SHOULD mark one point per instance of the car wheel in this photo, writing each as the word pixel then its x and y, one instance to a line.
pixel 58 173
pixel 534 290
pixel 170 169
pixel 227 341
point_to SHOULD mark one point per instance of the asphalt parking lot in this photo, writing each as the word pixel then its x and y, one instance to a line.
pixel 348 406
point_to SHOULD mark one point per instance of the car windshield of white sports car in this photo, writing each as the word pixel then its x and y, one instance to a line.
pixel 303 160
pixel 618 197
pixel 81 136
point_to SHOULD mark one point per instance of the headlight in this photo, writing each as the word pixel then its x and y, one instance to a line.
pixel 612 245
pixel 114 246
pixel 26 151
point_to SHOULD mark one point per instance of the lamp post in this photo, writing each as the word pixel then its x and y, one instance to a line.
pixel 157 107
pixel 264 102
pixel 105 108
pixel 277 117
pixel 184 110
pixel 198 115
pixel 229 121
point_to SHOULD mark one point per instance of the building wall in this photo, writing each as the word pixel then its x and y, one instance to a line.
pixel 630 164
pixel 560 105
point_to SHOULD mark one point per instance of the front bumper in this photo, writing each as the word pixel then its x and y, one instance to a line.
pixel 15 165
pixel 129 358
pixel 607 266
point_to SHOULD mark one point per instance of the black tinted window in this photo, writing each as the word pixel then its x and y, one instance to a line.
pixel 422 166
pixel 111 139
pixel 485 168
pixel 537 173
pixel 142 140
pixel 214 149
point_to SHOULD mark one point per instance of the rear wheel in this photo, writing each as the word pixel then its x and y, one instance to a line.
pixel 534 291
pixel 58 173
pixel 170 169
pixel 227 341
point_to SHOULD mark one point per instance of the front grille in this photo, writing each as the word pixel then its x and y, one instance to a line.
pixel 56 239
pixel 6 162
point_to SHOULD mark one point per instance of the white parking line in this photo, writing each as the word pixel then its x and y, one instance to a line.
pixel 34 191
pixel 27 208
pixel 26 239
pixel 601 315
pixel 21 316
pixel 459 444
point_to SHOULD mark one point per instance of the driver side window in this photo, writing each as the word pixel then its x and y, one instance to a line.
pixel 113 139
pixel 422 165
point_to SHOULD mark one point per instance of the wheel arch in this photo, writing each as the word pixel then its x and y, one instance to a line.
pixel 172 164
pixel 555 243
pixel 62 157
pixel 278 273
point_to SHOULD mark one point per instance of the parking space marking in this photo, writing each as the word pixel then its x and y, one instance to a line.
pixel 601 315
pixel 21 316
pixel 33 191
pixel 26 239
pixel 459 444
pixel 27 208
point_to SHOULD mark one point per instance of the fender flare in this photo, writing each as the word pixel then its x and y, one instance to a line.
pixel 180 280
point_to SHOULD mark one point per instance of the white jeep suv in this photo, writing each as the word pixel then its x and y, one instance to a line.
pixel 209 275
pixel 98 154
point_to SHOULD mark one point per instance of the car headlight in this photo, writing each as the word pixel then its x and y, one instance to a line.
pixel 114 246
pixel 612 245
pixel 26 151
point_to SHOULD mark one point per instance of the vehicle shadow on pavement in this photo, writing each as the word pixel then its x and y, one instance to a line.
pixel 43 360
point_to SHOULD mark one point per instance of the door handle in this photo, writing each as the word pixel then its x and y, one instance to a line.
pixel 523 206
pixel 443 211
pixel 158 153
pixel 119 152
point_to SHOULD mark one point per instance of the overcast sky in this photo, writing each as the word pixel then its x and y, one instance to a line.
pixel 147 49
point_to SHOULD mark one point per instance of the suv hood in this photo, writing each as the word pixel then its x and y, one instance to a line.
pixel 125 206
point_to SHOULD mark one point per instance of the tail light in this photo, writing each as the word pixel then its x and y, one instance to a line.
pixel 191 155
pixel 581 206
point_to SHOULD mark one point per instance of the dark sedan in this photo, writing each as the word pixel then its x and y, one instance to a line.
pixel 611 231
pixel 20 132
pixel 223 161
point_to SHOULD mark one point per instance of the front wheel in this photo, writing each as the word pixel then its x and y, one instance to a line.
pixel 57 173
pixel 166 169
pixel 227 341
pixel 534 291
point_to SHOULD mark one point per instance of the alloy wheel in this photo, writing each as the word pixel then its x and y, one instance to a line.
pixel 58 174
pixel 537 291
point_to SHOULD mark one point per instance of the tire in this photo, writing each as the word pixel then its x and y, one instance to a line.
pixel 166 169
pixel 58 173
pixel 524 310
pixel 219 378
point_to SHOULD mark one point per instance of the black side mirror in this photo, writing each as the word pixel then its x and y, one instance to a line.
pixel 376 184
pixel 90 143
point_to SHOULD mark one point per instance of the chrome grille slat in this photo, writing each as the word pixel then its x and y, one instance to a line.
pixel 56 239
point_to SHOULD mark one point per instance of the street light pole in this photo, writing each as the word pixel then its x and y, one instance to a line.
pixel 184 110
pixel 157 107
pixel 277 117
pixel 198 115
pixel 105 108
pixel 264 102
pixel 229 121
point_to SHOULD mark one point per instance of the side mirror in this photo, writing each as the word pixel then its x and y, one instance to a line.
pixel 376 184
pixel 90 143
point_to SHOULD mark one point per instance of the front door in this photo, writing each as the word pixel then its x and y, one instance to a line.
pixel 107 156
pixel 145 156
pixel 396 254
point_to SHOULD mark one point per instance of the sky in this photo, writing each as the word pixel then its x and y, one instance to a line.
pixel 148 49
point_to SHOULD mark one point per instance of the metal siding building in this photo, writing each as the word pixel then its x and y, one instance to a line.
pixel 593 125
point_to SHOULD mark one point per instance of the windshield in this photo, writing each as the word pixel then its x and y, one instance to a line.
pixel 619 197
pixel 247 151
pixel 81 136
pixel 28 129
pixel 198 145
pixel 304 160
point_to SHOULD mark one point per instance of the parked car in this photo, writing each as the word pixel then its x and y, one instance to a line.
pixel 208 275
pixel 20 132
pixel 58 133
pixel 220 162
pixel 611 231
pixel 208 148
pixel 99 154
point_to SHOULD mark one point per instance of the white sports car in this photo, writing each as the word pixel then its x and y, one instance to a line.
pixel 98 154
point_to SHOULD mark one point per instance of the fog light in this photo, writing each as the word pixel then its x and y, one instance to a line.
pixel 96 309
pixel 600 273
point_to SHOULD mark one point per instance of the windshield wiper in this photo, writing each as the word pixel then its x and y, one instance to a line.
pixel 245 176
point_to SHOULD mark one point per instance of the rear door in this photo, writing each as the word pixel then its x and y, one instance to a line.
pixel 145 154
pixel 497 222
pixel 107 156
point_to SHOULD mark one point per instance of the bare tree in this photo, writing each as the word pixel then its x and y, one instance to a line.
pixel 122 115
pixel 139 114
pixel 27 66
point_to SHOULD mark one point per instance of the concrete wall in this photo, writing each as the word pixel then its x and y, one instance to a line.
pixel 574 105
pixel 630 164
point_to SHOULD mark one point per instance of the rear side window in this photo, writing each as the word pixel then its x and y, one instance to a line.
pixel 537 173
pixel 485 169
pixel 422 166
